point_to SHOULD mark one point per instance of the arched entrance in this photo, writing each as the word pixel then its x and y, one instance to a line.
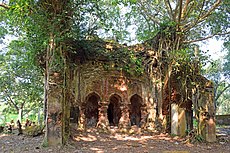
pixel 91 109
pixel 114 110
pixel 135 110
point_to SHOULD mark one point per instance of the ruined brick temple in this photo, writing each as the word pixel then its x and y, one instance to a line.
pixel 103 93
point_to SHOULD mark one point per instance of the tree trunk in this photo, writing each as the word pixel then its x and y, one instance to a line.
pixel 45 93
pixel 20 113
pixel 66 103
pixel 39 117
pixel 56 100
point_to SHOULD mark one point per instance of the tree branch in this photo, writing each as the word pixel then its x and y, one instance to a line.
pixel 214 6
pixel 150 16
pixel 180 11
pixel 189 8
pixel 169 8
pixel 4 6
pixel 184 10
pixel 175 11
pixel 218 96
pixel 11 101
pixel 202 17
pixel 201 39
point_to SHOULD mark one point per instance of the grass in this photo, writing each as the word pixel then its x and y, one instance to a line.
pixel 8 117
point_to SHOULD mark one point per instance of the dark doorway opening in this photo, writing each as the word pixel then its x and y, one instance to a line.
pixel 114 110
pixel 91 109
pixel 135 110
pixel 74 114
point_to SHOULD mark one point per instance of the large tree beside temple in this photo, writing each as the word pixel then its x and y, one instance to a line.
pixel 48 25
pixel 178 25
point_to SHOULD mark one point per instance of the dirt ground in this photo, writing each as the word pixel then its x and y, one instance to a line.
pixel 93 141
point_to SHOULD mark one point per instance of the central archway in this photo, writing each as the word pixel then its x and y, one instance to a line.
pixel 91 109
pixel 114 110
pixel 135 110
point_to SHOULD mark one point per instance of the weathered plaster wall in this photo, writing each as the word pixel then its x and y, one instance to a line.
pixel 92 77
pixel 94 84
pixel 54 108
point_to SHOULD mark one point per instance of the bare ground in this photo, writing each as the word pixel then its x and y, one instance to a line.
pixel 93 141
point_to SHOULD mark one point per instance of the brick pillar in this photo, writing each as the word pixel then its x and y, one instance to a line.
pixel 174 118
pixel 151 117
pixel 54 117
pixel 144 117
pixel 211 130
pixel 207 125
pixel 124 121
pixel 82 120
pixel 103 122
pixel 182 124
pixel 211 124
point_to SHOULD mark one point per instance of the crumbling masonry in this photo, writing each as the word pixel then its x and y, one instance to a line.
pixel 102 94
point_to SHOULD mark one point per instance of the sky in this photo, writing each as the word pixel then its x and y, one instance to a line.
pixel 214 48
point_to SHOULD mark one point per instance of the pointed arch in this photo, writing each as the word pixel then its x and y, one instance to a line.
pixel 136 102
pixel 91 106
pixel 114 110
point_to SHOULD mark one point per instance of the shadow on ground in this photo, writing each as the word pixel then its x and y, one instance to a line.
pixel 94 141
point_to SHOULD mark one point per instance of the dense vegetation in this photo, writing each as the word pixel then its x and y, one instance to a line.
pixel 42 27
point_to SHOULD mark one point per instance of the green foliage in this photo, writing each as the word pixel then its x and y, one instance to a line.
pixel 223 103
pixel 215 72
pixel 122 56
pixel 226 65
pixel 130 63
pixel 173 135
pixel 7 117
pixel 45 143
pixel 21 81
pixel 183 62
pixel 42 28
pixel 105 18
pixel 199 138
